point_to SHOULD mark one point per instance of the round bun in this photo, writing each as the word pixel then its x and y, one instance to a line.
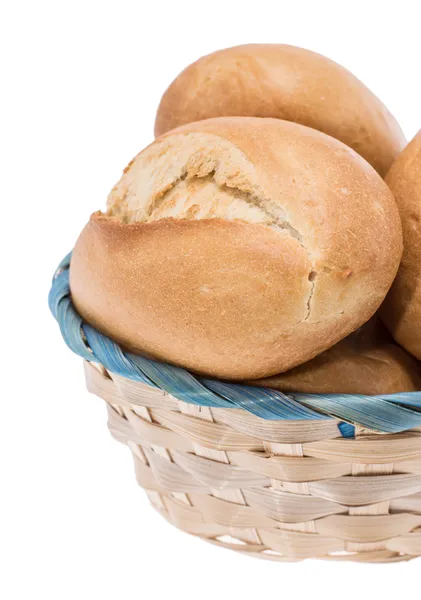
pixel 284 82
pixel 401 311
pixel 366 362
pixel 239 248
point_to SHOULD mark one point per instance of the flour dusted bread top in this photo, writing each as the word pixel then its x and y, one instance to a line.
pixel 402 309
pixel 238 248
pixel 285 82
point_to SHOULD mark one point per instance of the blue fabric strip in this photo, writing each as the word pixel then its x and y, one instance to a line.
pixel 262 402
pixel 389 413
pixel 374 412
pixel 347 430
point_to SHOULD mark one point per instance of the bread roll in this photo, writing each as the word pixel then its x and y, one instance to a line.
pixel 279 81
pixel 238 248
pixel 402 309
pixel 366 362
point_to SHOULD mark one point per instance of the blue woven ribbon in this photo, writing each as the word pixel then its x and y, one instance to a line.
pixel 389 413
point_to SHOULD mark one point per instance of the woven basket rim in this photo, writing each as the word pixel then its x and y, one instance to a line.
pixel 391 413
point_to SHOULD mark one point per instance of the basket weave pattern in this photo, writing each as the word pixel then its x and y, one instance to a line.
pixel 273 475
pixel 281 490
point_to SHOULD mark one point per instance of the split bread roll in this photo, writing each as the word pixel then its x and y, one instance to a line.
pixel 366 362
pixel 285 82
pixel 401 311
pixel 238 248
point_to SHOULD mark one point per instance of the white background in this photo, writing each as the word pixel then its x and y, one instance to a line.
pixel 80 84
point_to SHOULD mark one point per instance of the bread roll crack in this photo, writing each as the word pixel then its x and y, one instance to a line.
pixel 230 248
pixel 196 177
pixel 200 181
pixel 312 278
pixel 191 200
pixel 205 194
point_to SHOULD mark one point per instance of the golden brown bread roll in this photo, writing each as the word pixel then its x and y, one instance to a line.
pixel 365 362
pixel 285 82
pixel 401 310
pixel 239 248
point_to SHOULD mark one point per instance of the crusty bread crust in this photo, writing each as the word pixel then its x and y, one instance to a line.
pixel 366 362
pixel 401 311
pixel 285 82
pixel 226 293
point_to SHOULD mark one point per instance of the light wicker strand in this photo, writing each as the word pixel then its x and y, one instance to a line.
pixel 279 490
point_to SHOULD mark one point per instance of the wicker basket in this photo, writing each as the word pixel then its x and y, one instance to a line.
pixel 282 477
